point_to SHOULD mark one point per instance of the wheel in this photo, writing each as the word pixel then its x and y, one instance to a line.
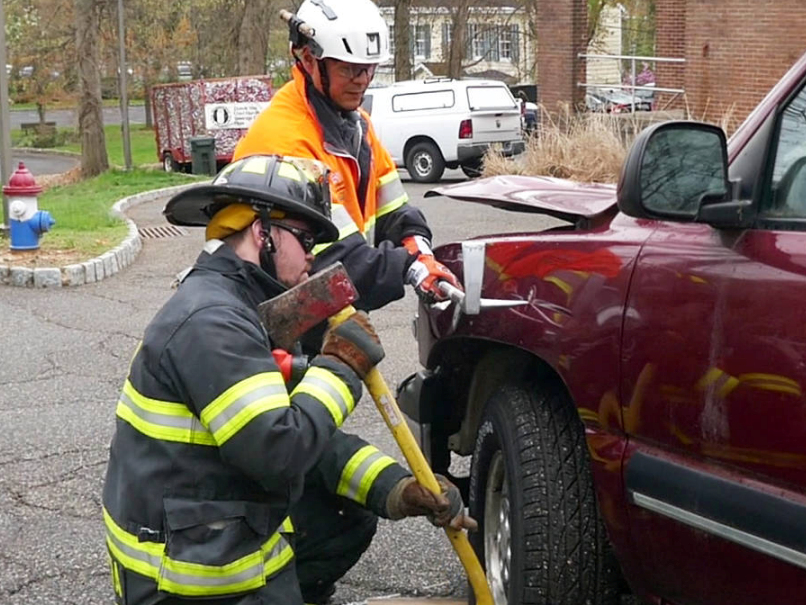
pixel 540 538
pixel 424 162
pixel 473 169
pixel 169 164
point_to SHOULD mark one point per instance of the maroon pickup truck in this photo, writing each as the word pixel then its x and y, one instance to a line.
pixel 630 385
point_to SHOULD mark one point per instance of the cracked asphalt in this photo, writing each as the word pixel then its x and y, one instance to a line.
pixel 65 356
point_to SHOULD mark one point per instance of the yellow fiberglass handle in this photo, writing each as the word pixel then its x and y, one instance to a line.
pixel 387 406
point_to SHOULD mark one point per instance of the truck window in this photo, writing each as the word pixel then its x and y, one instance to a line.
pixel 433 99
pixel 489 97
pixel 366 103
pixel 788 195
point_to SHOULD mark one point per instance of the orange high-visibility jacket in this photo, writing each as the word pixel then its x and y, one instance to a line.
pixel 291 126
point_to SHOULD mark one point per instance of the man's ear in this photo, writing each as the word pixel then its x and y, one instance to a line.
pixel 307 59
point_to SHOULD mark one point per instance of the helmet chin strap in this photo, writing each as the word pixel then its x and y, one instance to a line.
pixel 268 248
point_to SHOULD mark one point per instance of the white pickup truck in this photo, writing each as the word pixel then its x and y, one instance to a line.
pixel 428 125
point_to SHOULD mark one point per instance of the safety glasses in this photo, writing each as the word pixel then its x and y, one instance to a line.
pixel 353 71
pixel 305 238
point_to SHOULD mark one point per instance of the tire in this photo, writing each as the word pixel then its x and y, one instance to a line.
pixel 473 170
pixel 169 164
pixel 425 163
pixel 540 536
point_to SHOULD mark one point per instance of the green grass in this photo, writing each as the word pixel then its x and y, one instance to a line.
pixel 143 145
pixel 82 210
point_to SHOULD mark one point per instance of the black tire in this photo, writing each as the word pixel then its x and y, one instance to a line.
pixel 424 162
pixel 169 164
pixel 531 478
pixel 473 170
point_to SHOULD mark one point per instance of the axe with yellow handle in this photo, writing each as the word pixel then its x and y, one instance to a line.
pixel 329 294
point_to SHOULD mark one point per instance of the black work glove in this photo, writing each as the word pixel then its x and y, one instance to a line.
pixel 355 343
pixel 410 499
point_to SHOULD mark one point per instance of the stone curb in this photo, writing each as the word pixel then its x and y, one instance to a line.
pixel 94 269
pixel 41 151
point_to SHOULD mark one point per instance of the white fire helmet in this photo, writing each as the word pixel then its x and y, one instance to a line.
pixel 348 30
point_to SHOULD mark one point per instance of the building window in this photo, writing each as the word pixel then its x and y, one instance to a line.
pixel 422 41
pixel 505 43
pixel 477 40
pixel 392 41
pixel 447 38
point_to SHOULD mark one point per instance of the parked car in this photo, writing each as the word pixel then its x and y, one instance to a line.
pixel 428 125
pixel 640 415
pixel 611 100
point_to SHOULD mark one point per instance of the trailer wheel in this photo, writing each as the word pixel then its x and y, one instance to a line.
pixel 169 164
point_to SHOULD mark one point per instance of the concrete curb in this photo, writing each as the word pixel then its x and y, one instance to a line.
pixel 41 151
pixel 94 269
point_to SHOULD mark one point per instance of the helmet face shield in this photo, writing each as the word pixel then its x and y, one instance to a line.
pixel 285 186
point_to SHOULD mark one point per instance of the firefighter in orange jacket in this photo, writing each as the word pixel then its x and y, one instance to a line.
pixel 384 242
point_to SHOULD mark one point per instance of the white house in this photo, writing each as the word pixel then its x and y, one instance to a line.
pixel 499 42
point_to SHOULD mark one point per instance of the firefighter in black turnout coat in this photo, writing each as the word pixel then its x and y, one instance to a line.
pixel 225 484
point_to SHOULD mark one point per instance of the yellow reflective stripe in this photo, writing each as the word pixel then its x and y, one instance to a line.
pixel 324 386
pixel 391 195
pixel 360 473
pixel 287 527
pixel 238 405
pixel 116 578
pixel 163 420
pixel 369 231
pixel 288 171
pixel 142 557
pixel 195 579
pixel 344 223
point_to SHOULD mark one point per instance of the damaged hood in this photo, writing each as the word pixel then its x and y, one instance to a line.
pixel 582 204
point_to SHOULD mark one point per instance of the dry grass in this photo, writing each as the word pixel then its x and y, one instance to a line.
pixel 584 147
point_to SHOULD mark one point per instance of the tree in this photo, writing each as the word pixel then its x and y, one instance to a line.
pixel 253 37
pixel 402 29
pixel 88 15
pixel 40 44
pixel 458 39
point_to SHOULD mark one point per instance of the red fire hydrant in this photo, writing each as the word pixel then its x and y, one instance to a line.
pixel 27 222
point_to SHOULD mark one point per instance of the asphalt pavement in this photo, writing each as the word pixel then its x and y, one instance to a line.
pixel 44 163
pixel 65 356
pixel 69 117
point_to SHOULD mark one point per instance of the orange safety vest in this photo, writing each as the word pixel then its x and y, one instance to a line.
pixel 289 126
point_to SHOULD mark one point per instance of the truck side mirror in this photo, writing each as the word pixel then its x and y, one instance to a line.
pixel 673 170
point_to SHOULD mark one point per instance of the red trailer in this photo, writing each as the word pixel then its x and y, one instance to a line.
pixel 222 108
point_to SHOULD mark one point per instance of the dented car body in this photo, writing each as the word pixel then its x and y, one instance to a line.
pixel 640 416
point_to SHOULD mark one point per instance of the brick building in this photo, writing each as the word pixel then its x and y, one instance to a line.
pixel 735 51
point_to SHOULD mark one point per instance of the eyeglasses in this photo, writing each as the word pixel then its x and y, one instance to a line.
pixel 305 238
pixel 353 71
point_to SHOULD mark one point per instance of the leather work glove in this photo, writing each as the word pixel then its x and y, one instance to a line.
pixel 426 272
pixel 410 499
pixel 355 343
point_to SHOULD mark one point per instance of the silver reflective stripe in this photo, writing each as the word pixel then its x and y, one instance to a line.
pixel 250 573
pixel 343 221
pixel 391 195
pixel 236 406
pixel 369 235
pixel 152 561
pixel 311 379
pixel 360 473
pixel 185 423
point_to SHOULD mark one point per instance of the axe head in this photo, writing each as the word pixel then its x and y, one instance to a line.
pixel 288 316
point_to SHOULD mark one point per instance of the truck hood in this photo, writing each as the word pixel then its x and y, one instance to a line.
pixel 583 204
